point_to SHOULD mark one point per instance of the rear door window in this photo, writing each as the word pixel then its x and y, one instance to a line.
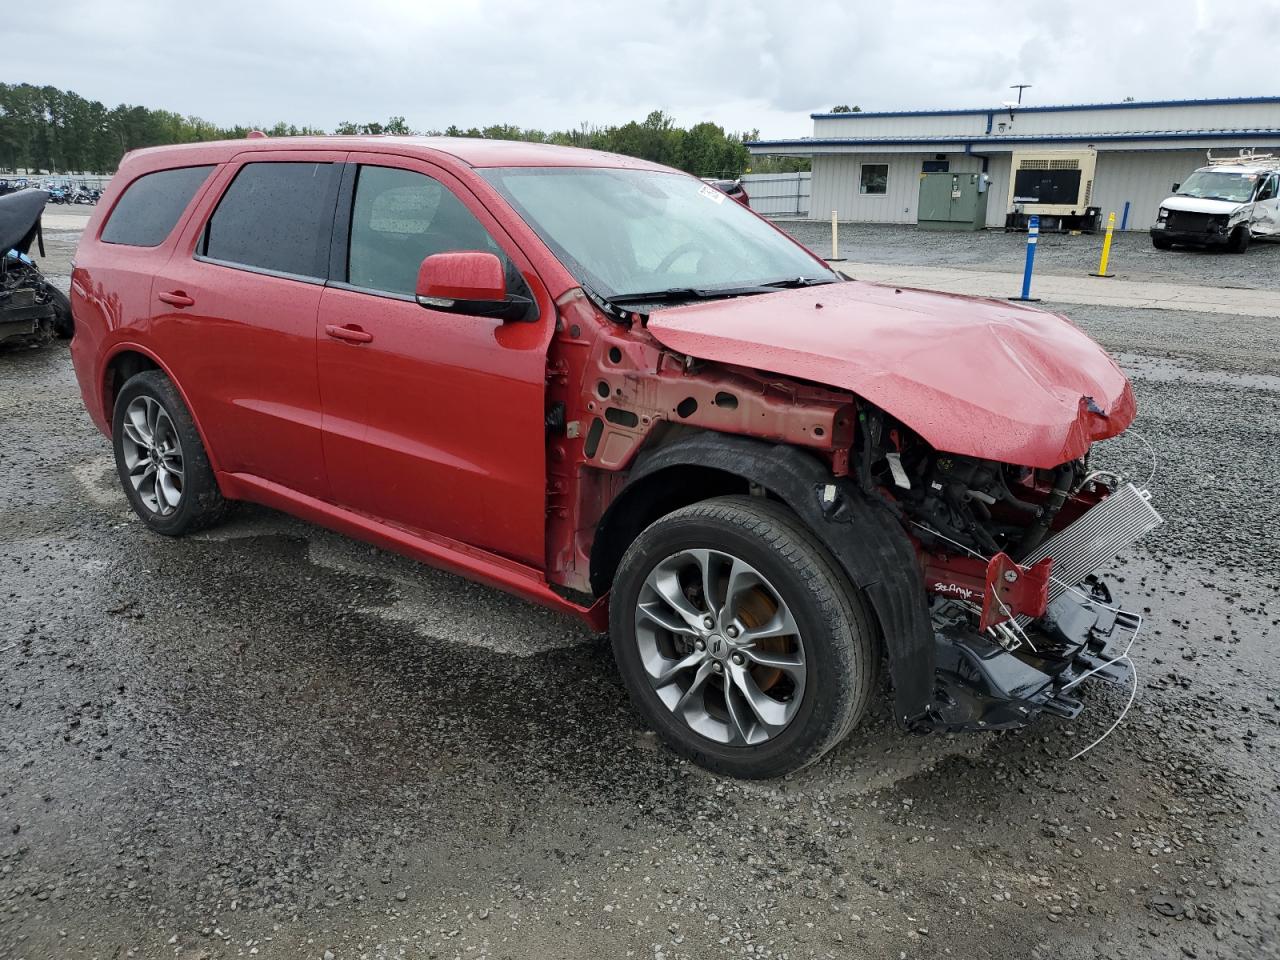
pixel 276 217
pixel 151 206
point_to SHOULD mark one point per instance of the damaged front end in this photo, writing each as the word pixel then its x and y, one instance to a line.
pixel 1008 557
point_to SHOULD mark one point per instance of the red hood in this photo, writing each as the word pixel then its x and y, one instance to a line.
pixel 985 378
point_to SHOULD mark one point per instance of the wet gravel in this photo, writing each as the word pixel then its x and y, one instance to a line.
pixel 1132 255
pixel 272 741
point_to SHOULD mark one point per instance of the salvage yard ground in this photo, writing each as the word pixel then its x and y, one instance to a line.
pixel 272 741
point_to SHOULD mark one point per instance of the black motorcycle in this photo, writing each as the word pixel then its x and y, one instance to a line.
pixel 32 310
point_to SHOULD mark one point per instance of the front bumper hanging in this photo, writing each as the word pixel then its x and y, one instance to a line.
pixel 980 685
pixel 1059 626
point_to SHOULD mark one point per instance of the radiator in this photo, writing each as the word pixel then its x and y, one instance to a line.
pixel 1094 538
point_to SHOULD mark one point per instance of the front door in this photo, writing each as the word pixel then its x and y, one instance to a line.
pixel 1266 208
pixel 432 421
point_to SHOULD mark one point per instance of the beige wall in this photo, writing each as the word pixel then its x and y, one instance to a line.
pixel 836 179
pixel 1142 177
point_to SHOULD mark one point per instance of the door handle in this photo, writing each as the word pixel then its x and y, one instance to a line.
pixel 351 333
pixel 176 298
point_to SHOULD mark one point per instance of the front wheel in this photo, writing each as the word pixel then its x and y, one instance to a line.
pixel 1161 243
pixel 739 639
pixel 1240 239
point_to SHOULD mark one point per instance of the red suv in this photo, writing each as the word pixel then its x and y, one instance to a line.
pixel 604 386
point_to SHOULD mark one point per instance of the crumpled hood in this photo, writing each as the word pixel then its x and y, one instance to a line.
pixel 1201 205
pixel 984 378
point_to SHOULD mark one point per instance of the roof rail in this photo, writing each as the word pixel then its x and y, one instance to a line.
pixel 1243 158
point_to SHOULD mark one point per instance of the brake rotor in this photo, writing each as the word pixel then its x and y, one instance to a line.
pixel 755 608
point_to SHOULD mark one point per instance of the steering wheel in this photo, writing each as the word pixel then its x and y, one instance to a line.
pixel 669 260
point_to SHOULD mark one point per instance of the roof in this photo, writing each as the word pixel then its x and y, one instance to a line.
pixel 473 152
pixel 1053 108
pixel 984 140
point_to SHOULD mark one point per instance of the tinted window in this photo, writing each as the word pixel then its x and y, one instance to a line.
pixel 151 205
pixel 275 216
pixel 398 219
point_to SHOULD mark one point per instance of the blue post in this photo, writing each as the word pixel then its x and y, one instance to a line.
pixel 1124 217
pixel 1033 236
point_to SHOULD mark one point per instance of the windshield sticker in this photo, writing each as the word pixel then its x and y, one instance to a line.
pixel 711 193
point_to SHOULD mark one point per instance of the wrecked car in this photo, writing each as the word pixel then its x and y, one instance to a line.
pixel 1224 205
pixel 606 387
pixel 32 310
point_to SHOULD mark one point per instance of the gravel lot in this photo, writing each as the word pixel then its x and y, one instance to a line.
pixel 1132 256
pixel 272 741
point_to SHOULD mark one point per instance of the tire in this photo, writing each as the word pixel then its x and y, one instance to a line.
pixel 828 665
pixel 1161 243
pixel 1240 239
pixel 167 423
pixel 63 325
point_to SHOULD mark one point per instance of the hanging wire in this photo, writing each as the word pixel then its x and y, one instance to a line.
pixel 1133 695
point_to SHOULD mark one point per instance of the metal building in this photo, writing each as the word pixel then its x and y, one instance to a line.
pixel 867 166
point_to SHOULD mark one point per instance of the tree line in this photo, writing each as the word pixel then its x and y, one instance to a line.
pixel 47 130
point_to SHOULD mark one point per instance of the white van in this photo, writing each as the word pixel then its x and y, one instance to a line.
pixel 1225 204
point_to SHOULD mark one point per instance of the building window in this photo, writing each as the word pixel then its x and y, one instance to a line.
pixel 936 166
pixel 874 180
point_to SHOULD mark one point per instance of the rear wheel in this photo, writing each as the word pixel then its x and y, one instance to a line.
pixel 739 639
pixel 160 458
pixel 1240 239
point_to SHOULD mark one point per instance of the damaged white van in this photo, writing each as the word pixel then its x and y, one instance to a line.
pixel 1228 203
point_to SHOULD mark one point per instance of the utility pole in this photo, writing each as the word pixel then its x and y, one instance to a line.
pixel 1019 87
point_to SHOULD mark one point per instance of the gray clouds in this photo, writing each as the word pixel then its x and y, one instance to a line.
pixel 556 63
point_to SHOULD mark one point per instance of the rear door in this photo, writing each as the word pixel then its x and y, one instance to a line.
pixel 236 311
pixel 433 421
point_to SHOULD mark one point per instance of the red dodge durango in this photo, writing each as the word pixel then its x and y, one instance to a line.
pixel 604 386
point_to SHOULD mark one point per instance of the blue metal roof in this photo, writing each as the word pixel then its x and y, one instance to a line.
pixel 972 141
pixel 1059 108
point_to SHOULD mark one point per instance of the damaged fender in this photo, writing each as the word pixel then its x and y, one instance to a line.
pixel 865 538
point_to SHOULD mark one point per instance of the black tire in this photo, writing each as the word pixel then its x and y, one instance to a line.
pixel 201 503
pixel 1240 239
pixel 1161 243
pixel 833 620
pixel 63 325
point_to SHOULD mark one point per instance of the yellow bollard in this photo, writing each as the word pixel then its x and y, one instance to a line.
pixel 1106 249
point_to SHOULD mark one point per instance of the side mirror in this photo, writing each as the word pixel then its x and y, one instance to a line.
pixel 470 282
pixel 1176 186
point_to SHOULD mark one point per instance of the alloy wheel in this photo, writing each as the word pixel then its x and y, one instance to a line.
pixel 720 647
pixel 153 455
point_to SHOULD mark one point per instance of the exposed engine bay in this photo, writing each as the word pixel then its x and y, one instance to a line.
pixel 28 311
pixel 32 310
pixel 1009 556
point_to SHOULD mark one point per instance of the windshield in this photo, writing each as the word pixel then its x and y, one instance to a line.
pixel 631 232
pixel 1217 185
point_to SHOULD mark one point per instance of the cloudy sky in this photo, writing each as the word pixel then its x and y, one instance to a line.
pixel 553 64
